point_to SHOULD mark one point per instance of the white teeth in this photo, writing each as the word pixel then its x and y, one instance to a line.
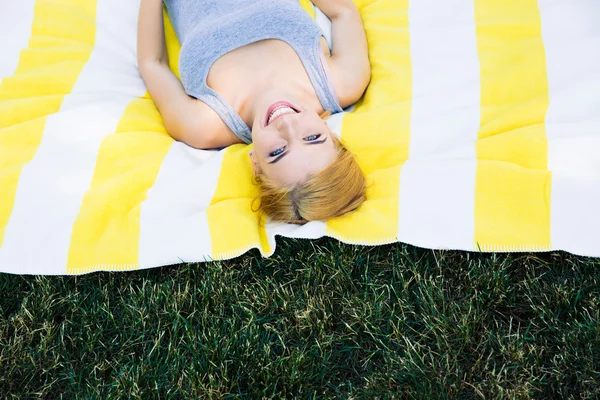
pixel 280 111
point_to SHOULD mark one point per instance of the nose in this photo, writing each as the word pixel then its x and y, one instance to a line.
pixel 287 127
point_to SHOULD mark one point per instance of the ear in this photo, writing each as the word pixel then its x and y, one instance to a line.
pixel 255 165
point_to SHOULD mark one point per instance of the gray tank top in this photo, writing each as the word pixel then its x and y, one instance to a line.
pixel 208 29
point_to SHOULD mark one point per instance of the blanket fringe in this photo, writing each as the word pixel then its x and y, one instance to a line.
pixel 512 248
pixel 483 248
pixel 228 255
pixel 367 242
pixel 103 267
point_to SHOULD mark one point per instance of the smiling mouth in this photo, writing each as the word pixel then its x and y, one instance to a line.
pixel 279 109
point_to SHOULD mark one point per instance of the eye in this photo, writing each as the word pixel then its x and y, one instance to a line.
pixel 277 152
pixel 312 138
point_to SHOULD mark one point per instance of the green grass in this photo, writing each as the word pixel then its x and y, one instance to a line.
pixel 319 319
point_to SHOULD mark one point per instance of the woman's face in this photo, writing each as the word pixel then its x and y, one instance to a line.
pixel 290 143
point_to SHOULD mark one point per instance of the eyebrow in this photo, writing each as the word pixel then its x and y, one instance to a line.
pixel 279 157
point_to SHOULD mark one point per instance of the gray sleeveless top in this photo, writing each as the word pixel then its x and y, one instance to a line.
pixel 208 29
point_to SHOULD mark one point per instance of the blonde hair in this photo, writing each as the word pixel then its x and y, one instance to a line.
pixel 331 192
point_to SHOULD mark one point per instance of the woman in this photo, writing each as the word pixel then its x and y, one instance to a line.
pixel 260 71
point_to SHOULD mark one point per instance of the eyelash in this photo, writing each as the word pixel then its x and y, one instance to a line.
pixel 282 149
pixel 277 152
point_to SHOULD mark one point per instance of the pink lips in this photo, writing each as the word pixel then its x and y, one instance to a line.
pixel 275 106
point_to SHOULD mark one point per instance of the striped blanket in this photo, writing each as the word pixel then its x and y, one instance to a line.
pixel 480 131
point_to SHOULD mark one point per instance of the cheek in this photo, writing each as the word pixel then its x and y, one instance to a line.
pixel 257 135
pixel 257 138
pixel 262 143
pixel 260 133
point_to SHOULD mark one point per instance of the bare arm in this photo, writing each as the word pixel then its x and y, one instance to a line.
pixel 180 112
pixel 350 67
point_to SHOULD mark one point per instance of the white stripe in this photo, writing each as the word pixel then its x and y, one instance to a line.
pixel 311 230
pixel 113 64
pixel 437 183
pixel 436 210
pixel 334 123
pixel 174 224
pixel 446 85
pixel 16 18
pixel 575 215
pixel 572 42
pixel 53 184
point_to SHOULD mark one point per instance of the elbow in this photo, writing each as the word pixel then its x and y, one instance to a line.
pixel 343 11
pixel 201 141
pixel 366 74
pixel 355 87
pixel 363 80
pixel 193 134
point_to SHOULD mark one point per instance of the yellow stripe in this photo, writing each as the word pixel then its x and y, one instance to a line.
pixel 107 230
pixel 61 42
pixel 234 229
pixel 512 203
pixel 378 129
pixel 307 5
